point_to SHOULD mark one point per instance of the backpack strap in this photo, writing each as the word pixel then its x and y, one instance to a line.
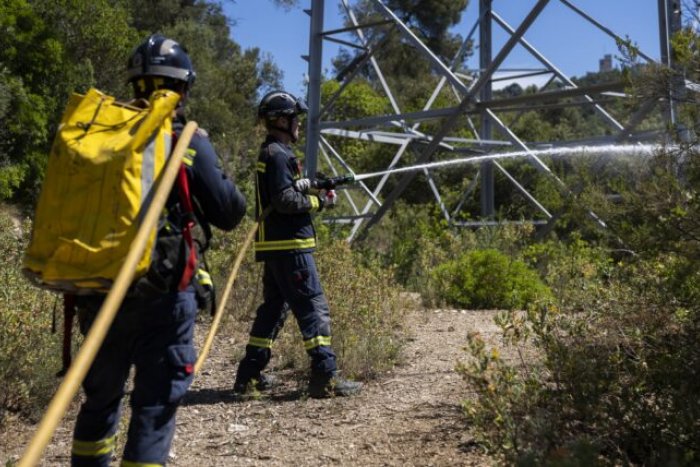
pixel 186 200
pixel 68 315
pixel 187 207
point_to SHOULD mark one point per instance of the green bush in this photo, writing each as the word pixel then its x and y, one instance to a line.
pixel 29 352
pixel 611 376
pixel 367 310
pixel 572 269
pixel 247 288
pixel 411 241
pixel 415 240
pixel 366 314
pixel 614 380
pixel 483 279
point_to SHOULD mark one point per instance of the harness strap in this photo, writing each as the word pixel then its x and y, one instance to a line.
pixel 68 315
pixel 191 265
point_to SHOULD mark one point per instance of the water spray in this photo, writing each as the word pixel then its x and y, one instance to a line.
pixel 611 149
pixel 644 150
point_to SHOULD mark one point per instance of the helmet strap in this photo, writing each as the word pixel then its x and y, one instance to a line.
pixel 290 120
pixel 284 129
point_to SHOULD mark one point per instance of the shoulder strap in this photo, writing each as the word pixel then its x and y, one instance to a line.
pixel 186 200
pixel 68 315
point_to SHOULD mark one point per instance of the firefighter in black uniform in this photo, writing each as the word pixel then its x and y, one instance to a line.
pixel 285 241
pixel 153 329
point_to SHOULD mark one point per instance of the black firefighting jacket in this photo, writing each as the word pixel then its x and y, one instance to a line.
pixel 287 229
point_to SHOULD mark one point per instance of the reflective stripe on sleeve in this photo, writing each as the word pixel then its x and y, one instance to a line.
pixel 315 203
pixel 188 160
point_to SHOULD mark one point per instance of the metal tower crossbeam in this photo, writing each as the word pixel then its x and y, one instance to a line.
pixel 473 91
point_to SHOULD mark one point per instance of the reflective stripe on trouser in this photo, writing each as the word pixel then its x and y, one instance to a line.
pixel 138 464
pixel 98 452
pixel 290 282
pixel 155 335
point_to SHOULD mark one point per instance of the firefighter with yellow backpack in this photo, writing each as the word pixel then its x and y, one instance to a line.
pixel 153 329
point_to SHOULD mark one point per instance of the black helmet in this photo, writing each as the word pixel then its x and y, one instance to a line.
pixel 280 104
pixel 159 56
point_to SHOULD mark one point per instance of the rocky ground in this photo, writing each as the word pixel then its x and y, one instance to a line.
pixel 409 417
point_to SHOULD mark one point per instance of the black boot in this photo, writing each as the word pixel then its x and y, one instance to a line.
pixel 321 386
pixel 244 386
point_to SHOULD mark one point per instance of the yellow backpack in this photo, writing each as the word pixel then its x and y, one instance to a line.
pixel 102 168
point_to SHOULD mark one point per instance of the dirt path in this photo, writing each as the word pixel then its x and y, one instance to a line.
pixel 409 417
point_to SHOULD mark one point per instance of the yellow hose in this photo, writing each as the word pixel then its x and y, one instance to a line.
pixel 83 360
pixel 224 298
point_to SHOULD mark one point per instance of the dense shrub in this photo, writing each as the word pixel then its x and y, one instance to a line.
pixel 608 376
pixel 483 279
pixel 608 371
pixel 414 241
pixel 29 352
pixel 366 313
pixel 615 383
pixel 572 269
pixel 366 309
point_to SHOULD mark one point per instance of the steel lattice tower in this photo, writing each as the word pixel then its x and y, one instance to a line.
pixel 474 92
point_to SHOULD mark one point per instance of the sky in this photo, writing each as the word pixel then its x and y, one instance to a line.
pixel 570 42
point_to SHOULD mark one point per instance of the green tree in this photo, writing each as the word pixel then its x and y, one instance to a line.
pixel 30 62
pixel 358 99
pixel 96 37
pixel 403 66
pixel 51 48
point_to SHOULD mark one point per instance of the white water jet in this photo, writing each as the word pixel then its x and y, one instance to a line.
pixel 610 149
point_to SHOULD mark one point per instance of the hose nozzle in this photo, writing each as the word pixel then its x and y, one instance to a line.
pixel 332 182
